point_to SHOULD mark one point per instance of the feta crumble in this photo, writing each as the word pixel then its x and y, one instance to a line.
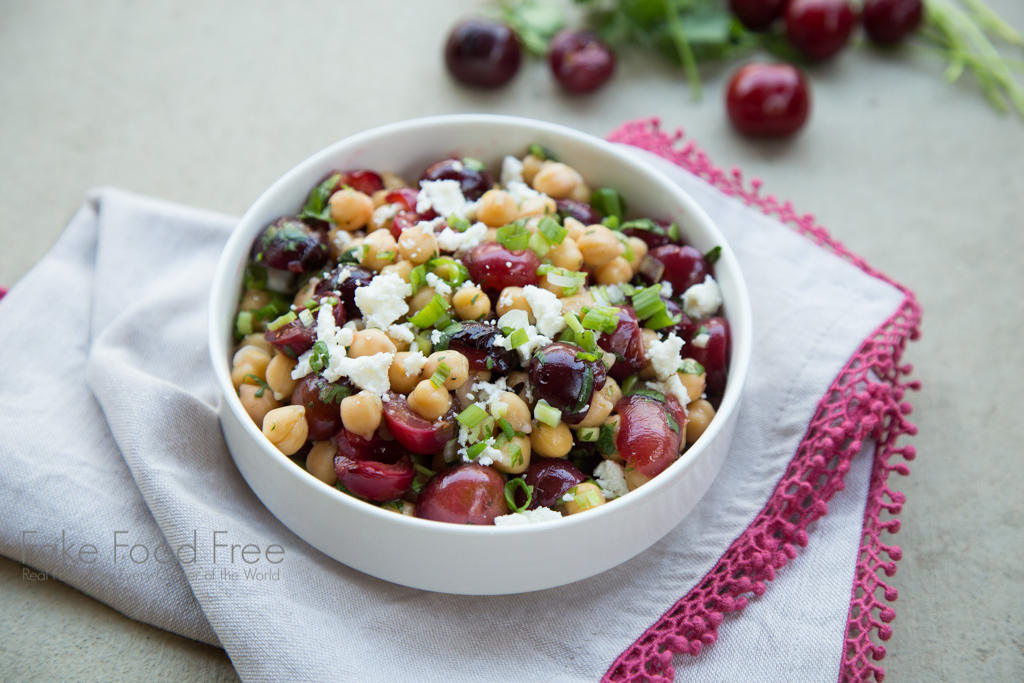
pixel 666 290
pixel 511 171
pixel 521 192
pixel 527 517
pixel 342 239
pixel 547 310
pixel 382 302
pixel 414 362
pixel 440 286
pixel 366 372
pixel 611 477
pixel 664 355
pixel 702 300
pixel 445 198
pixel 401 332
pixel 455 241
pixel 701 340
pixel 674 386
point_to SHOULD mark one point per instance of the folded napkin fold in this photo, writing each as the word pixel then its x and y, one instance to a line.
pixel 117 481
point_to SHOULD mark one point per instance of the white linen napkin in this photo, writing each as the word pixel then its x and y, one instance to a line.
pixel 111 445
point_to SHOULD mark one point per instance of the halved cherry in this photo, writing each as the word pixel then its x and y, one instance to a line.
pixel 650 432
pixel 414 432
pixel 375 481
pixel 492 266
pixel 627 343
pixel 467 494
pixel 293 339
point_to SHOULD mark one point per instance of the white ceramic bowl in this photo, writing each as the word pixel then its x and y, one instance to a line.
pixel 452 558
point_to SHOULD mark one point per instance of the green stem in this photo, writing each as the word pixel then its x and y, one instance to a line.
pixel 993 23
pixel 683 48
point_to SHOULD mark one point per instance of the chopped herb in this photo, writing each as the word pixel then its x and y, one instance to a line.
pixel 713 255
pixel 506 428
pixel 490 363
pixel 586 392
pixel 458 223
pixel 320 357
pixel 446 336
pixel 263 386
pixel 418 484
pixel 475 450
pixel 472 416
pixel 672 423
pixel 396 505
pixel 542 153
pixel 606 440
pixel 317 204
pixel 424 471
pixel 334 394
pixel 648 393
pixel 255 277
pixel 440 375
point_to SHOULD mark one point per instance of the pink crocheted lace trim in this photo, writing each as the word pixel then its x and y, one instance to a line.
pixel 864 402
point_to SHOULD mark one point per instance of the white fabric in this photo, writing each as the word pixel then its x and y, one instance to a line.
pixel 108 412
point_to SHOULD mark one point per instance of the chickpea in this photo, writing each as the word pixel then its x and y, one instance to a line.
pixel 491 235
pixel 402 381
pixel 531 167
pixel 382 250
pixel 458 368
pixel 422 298
pixel 566 255
pixel 648 336
pixel 320 461
pixel 602 404
pixel 257 406
pixel 417 244
pixel 614 272
pixel 587 497
pixel 576 302
pixel 253 300
pixel 516 412
pixel 370 342
pixel 551 442
pixel 634 479
pixel 599 245
pixel 537 206
pixel 695 384
pixel 403 269
pixel 614 420
pixel 556 179
pixel 379 200
pixel 400 344
pixel 306 293
pixel 339 241
pixel 393 181
pixel 428 401
pixel 249 360
pixel 509 463
pixel 259 341
pixel 581 193
pixel 279 375
pixel 361 413
pixel 700 413
pixel 471 303
pixel 513 299
pixel 465 393
pixel 575 228
pixel 639 248
pixel 286 428
pixel 497 208
pixel 350 209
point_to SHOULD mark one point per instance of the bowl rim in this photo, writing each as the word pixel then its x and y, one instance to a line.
pixel 238 246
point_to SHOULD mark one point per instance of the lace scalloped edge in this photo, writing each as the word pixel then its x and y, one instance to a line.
pixel 865 401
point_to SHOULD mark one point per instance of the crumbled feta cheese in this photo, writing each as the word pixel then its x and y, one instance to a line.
pixel 445 198
pixel 334 338
pixel 666 289
pixel 615 294
pixel 535 516
pixel 345 272
pixel 522 192
pixel 489 392
pixel 611 477
pixel 455 241
pixel 414 362
pixel 279 281
pixel 366 372
pixel 702 300
pixel 302 368
pixel 570 496
pixel 440 286
pixel 382 302
pixel 674 386
pixel 383 213
pixel 488 456
pixel 664 355
pixel 547 310
pixel 701 340
pixel 511 171
pixel 342 239
pixel 401 332
pixel 435 337
pixel 534 341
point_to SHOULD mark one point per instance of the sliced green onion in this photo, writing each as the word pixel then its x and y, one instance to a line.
pixel 474 164
pixel 472 416
pixel 440 375
pixel 589 434
pixel 282 321
pixel 424 471
pixel 476 449
pixel 608 202
pixel 431 313
pixel 567 335
pixel 662 319
pixel 458 223
pixel 422 344
pixel 628 289
pixel 713 255
pixel 518 338
pixel 583 355
pixel 587 340
pixel 277 306
pixel 255 277
pixel 560 277
pixel 552 231
pixel 442 322
pixel 674 233
pixel 449 270
pixel 648 301
pixel 602 318
pixel 244 323
pixel 544 268
pixel 691 367
pixel 498 410
pixel 388 255
pixel 589 499
pixel 510 494
pixel 610 222
pixel 515 454
pixel 546 414
pixel 627 386
pixel 542 153
pixel 573 321
pixel 418 277
pixel 446 336
pixel 539 244
pixel 513 236
pixel 506 427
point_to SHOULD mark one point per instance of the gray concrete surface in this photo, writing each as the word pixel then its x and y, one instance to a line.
pixel 207 103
